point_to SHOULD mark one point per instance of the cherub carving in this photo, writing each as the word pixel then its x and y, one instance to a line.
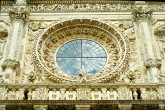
pixel 83 76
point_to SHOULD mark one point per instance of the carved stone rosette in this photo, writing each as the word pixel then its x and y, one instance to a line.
pixel 47 45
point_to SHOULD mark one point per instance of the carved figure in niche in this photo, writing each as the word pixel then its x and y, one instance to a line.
pixel 83 93
pixel 62 94
pixel 83 76
pixel 135 95
pixel 3 93
pixel 41 93
pixel 124 93
pixel 71 95
pixel 112 94
pixel 96 94
pixel 104 95
pixel 54 94
pixel 13 94
pixel 21 94
pixel 30 94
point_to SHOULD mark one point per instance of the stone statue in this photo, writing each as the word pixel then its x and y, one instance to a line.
pixel 83 78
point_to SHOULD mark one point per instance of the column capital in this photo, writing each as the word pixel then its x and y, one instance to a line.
pixel 19 12
pixel 142 13
pixel 152 62
pixel 10 63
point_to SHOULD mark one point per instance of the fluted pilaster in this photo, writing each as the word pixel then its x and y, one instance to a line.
pixel 143 18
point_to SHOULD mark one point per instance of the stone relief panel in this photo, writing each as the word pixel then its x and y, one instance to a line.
pixel 3 37
pixel 31 73
pixel 159 31
pixel 132 73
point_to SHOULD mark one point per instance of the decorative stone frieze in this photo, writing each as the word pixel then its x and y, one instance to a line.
pixel 79 7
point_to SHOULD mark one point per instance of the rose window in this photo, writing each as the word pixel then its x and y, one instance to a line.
pixel 91 46
pixel 85 55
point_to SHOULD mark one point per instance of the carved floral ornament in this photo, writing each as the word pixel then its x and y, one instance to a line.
pixel 47 45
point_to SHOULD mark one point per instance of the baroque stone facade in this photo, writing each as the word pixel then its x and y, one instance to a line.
pixel 132 33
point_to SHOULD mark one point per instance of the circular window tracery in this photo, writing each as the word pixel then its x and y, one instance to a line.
pixel 81 54
pixel 48 44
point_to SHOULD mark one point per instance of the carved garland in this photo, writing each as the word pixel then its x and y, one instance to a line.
pixel 47 45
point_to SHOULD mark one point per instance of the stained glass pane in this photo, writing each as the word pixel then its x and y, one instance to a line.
pixel 85 55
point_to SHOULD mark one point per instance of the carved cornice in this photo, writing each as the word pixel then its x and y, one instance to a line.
pixel 142 13
pixel 83 102
pixel 76 1
pixel 153 63
pixel 18 12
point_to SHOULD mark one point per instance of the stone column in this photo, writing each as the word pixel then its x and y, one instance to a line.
pixel 142 16
pixel 18 15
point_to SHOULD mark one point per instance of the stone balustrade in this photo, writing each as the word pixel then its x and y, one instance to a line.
pixel 82 92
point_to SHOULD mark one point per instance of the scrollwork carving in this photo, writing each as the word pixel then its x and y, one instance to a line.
pixel 80 7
